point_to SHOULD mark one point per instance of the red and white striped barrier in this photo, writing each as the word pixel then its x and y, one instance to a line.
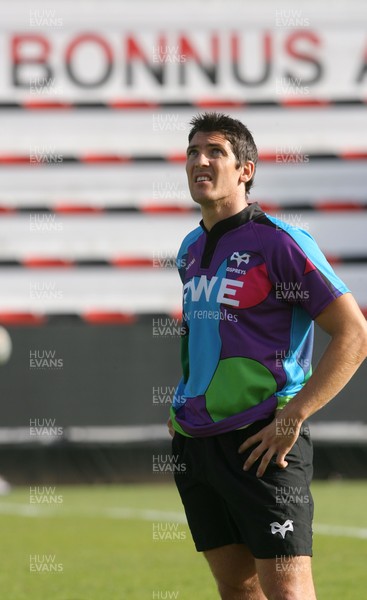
pixel 74 208
pixel 129 262
pixel 44 160
pixel 203 104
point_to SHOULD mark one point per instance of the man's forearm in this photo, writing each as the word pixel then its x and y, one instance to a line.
pixel 344 322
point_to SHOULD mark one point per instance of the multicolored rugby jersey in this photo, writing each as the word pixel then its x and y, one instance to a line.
pixel 252 286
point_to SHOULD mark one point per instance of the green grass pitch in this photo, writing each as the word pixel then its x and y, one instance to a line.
pixel 97 543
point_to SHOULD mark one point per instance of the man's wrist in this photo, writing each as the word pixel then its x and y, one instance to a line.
pixel 293 412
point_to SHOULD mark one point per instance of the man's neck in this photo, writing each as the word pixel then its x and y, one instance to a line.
pixel 214 213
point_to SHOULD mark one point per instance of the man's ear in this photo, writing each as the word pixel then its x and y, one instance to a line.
pixel 247 171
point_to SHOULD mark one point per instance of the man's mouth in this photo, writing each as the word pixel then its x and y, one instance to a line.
pixel 201 178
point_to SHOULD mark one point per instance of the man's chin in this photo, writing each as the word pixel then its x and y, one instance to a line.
pixel 204 200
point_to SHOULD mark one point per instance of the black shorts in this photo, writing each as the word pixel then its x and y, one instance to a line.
pixel 271 515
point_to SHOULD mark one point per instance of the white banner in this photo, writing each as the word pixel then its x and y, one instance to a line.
pixel 292 55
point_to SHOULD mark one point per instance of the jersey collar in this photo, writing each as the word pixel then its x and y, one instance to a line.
pixel 249 213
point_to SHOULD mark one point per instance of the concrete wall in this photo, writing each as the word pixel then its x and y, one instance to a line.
pixel 84 375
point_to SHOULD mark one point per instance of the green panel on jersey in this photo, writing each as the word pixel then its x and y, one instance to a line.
pixel 238 384
pixel 308 375
pixel 283 401
pixel 175 425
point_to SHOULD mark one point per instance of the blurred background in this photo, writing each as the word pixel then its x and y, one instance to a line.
pixel 95 104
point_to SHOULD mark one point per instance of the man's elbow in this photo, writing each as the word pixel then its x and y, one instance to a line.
pixel 365 343
pixel 360 342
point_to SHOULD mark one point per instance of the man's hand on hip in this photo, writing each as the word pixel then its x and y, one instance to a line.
pixel 276 438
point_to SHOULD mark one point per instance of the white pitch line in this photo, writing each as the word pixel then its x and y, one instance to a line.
pixel 340 531
pixel 22 510
pixel 144 514
pixel 47 510
pixel 44 511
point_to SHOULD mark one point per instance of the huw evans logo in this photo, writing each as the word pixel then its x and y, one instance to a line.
pixel 165 595
pixel 166 327
pixel 44 563
pixel 291 495
pixel 44 495
pixel 45 428
pixel 40 222
pixel 163 395
pixel 168 532
pixel 44 359
pixel 168 463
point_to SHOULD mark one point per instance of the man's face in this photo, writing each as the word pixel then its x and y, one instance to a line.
pixel 211 168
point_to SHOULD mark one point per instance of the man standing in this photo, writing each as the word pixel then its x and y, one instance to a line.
pixel 252 286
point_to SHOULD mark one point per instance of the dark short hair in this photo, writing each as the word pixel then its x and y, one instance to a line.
pixel 240 138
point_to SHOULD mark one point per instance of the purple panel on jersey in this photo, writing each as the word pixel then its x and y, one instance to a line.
pixel 196 409
pixel 240 339
pixel 256 413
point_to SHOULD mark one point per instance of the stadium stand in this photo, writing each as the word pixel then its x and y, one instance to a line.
pixel 93 205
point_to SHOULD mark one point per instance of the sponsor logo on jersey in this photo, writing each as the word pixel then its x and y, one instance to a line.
pixel 192 261
pixel 224 289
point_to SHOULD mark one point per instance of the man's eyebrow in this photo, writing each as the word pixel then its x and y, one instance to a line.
pixel 216 145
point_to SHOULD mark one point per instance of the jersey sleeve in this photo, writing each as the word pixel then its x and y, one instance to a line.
pixel 181 259
pixel 181 263
pixel 300 272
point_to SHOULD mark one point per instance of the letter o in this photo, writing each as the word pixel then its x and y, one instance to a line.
pixel 89 37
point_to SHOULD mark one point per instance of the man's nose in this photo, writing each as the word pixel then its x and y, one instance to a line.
pixel 201 160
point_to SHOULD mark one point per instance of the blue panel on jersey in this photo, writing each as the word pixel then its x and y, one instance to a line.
pixel 187 242
pixel 204 338
pixel 308 245
pixel 297 361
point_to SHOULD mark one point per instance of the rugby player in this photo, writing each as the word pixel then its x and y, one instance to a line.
pixel 252 287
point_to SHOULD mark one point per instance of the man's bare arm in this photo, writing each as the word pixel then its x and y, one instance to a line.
pixel 346 325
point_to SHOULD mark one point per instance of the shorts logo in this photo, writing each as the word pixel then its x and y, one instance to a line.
pixel 282 529
pixel 239 258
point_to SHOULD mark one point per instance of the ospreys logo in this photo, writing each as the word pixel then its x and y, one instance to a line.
pixel 282 529
pixel 240 257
